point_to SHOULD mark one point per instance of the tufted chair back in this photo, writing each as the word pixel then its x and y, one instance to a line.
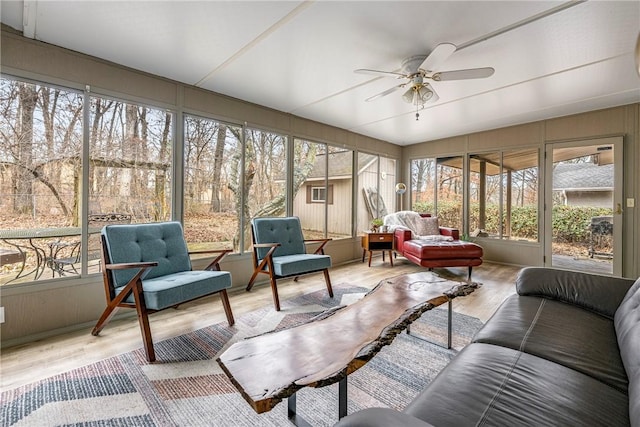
pixel 160 242
pixel 286 231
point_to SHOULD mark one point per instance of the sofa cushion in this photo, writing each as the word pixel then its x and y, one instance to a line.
pixel 627 322
pixel 490 385
pixel 562 333
pixel 437 250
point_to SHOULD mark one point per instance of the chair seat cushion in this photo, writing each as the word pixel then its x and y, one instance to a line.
pixel 437 250
pixel 176 288
pixel 289 265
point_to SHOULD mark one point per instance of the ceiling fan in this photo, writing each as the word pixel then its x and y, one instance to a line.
pixel 417 69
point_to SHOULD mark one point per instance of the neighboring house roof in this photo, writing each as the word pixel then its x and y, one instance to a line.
pixel 340 165
pixel 582 176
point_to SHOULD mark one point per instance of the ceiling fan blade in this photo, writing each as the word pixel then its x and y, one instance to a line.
pixel 379 73
pixel 437 56
pixel 473 73
pixel 385 93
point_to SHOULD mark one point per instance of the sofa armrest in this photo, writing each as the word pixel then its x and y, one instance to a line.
pixel 602 294
pixel 401 235
pixel 448 231
pixel 383 417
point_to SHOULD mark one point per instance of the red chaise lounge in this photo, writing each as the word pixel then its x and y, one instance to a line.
pixel 420 239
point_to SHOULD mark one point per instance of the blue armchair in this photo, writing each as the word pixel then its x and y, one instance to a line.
pixel 279 251
pixel 147 267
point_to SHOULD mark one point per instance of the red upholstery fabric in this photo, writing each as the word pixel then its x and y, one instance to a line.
pixel 443 254
pixel 425 249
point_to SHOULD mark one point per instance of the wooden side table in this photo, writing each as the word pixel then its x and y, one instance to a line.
pixel 377 241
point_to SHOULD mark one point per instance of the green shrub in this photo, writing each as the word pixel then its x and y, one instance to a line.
pixel 570 223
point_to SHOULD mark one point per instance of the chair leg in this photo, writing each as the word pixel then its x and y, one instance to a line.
pixel 106 316
pixel 274 292
pixel 253 278
pixel 469 277
pixel 328 280
pixel 227 307
pixel 143 319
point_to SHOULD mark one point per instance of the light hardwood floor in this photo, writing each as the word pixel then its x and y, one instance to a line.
pixel 33 361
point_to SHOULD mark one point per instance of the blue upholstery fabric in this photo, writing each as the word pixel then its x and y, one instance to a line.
pixel 290 257
pixel 162 242
pixel 286 231
pixel 170 283
pixel 173 289
pixel 289 265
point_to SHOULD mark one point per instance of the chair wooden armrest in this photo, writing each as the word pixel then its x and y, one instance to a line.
pixel 126 265
pixel 320 249
pixel 215 263
pixel 266 245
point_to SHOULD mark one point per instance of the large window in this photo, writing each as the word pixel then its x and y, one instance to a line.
pixel 503 199
pixel 376 189
pixel 322 189
pixel 130 153
pixel 40 177
pixel 212 159
pixel 437 187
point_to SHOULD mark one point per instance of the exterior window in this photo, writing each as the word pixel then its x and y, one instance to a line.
pixel 265 165
pixel 437 188
pixel 318 194
pixel 212 153
pixel 40 179
pixel 130 152
pixel 376 189
pixel 130 160
pixel 324 207
pixel 503 199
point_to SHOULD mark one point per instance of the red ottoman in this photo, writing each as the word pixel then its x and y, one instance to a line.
pixel 433 254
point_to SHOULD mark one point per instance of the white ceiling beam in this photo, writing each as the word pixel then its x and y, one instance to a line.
pixel 29 12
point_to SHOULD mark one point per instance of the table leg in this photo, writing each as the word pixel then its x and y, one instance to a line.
pixel 449 327
pixel 292 414
pixel 391 258
pixel 298 421
pixel 370 254
pixel 342 397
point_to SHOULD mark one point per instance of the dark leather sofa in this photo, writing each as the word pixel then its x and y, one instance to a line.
pixel 563 351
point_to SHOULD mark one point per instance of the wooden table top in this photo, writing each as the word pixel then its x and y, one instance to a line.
pixel 270 367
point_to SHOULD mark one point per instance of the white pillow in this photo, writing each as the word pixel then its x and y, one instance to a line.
pixel 428 226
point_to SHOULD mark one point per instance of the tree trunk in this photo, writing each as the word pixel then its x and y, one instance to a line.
pixel 23 179
pixel 216 203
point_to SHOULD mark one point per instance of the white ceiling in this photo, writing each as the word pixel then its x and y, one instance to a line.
pixel 299 57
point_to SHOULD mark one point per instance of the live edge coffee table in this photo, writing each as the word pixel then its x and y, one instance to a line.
pixel 273 366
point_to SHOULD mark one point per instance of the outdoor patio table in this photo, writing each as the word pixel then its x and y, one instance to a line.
pixel 26 240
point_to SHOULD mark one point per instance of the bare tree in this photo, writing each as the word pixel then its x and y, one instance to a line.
pixel 22 182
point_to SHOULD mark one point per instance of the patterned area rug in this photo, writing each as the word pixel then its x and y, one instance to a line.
pixel 186 387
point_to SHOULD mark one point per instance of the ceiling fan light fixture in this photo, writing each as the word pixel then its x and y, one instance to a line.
pixel 424 94
pixel 410 95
